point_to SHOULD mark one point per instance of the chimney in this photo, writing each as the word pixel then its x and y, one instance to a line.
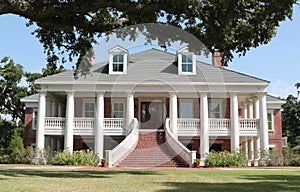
pixel 217 59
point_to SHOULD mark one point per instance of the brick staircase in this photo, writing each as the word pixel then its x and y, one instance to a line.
pixel 152 151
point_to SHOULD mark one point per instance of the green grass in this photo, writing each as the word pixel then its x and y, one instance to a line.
pixel 144 180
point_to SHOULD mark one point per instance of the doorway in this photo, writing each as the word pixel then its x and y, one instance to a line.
pixel 152 115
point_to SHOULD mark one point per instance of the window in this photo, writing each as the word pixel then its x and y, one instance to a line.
pixel 118 110
pixel 89 110
pixel 118 63
pixel 270 121
pixel 214 109
pixel 187 63
pixel 34 119
pixel 186 110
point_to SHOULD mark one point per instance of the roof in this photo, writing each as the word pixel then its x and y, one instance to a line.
pixel 273 99
pixel 30 99
pixel 154 66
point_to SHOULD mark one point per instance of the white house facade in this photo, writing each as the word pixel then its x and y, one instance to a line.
pixel 135 108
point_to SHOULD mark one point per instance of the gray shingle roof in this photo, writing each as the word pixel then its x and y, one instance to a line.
pixel 154 66
pixel 273 99
pixel 30 99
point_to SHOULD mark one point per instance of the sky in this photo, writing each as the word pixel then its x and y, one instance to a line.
pixel 276 62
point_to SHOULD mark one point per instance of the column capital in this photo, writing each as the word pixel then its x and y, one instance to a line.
pixel 70 92
pixel 100 93
pixel 233 94
pixel 203 94
pixel 42 92
pixel 261 94
pixel 172 93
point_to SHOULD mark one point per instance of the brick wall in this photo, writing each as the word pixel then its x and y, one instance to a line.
pixel 29 134
pixel 275 137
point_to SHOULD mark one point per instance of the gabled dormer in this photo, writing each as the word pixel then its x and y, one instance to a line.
pixel 118 60
pixel 186 61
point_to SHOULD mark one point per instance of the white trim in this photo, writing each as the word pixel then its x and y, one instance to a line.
pixel 84 101
pixel 272 120
pixel 33 117
pixel 118 50
pixel 217 101
pixel 185 51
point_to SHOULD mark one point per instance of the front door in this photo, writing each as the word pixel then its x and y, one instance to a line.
pixel 152 115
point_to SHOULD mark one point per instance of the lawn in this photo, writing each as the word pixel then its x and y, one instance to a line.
pixel 147 180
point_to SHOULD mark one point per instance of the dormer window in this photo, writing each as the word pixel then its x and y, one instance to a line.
pixel 186 62
pixel 118 57
pixel 118 63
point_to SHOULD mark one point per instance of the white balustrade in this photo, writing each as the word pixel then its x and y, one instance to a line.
pixel 54 122
pixel 179 149
pixel 218 124
pixel 113 156
pixel 114 123
pixel 249 124
pixel 83 123
pixel 188 124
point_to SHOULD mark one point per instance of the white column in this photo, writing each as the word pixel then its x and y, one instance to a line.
pixel 99 138
pixel 256 108
pixel 250 149
pixel 40 136
pixel 234 117
pixel 129 110
pixel 250 109
pixel 49 106
pixel 256 143
pixel 245 111
pixel 54 108
pixel 264 138
pixel 173 114
pixel 204 137
pixel 69 122
pixel 59 110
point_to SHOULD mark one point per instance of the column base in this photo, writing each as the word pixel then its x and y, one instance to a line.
pixel 202 162
pixel 249 163
pixel 255 163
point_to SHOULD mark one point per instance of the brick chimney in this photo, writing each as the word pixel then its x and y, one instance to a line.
pixel 217 59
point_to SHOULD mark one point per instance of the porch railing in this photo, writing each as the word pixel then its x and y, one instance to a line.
pixel 120 151
pixel 218 124
pixel 83 123
pixel 54 122
pixel 179 149
pixel 249 124
pixel 188 124
pixel 114 123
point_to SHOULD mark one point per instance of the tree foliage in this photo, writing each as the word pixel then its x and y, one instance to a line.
pixel 72 26
pixel 291 119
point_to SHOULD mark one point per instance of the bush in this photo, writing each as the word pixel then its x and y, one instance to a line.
pixel 35 156
pixel 16 148
pixel 225 159
pixel 86 157
pixel 284 157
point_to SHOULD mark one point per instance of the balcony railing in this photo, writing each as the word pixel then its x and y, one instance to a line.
pixel 83 123
pixel 114 123
pixel 188 124
pixel 54 123
pixel 219 124
pixel 249 124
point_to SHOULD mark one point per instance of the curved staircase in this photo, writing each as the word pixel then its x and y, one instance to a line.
pixel 152 151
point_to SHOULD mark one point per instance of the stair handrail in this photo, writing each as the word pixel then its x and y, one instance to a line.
pixel 115 155
pixel 187 155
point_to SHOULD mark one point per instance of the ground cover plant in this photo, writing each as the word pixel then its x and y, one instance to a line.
pixel 150 180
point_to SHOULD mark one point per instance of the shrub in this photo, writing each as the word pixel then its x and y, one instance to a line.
pixel 86 157
pixel 16 148
pixel 284 157
pixel 35 156
pixel 224 159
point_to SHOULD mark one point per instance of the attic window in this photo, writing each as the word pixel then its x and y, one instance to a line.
pixel 118 58
pixel 187 63
pixel 118 63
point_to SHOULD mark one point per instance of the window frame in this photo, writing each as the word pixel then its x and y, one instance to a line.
pixel 191 109
pixel 118 62
pixel 215 101
pixel 35 117
pixel 180 53
pixel 270 121
pixel 84 108
pixel 113 108
pixel 118 50
pixel 187 63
